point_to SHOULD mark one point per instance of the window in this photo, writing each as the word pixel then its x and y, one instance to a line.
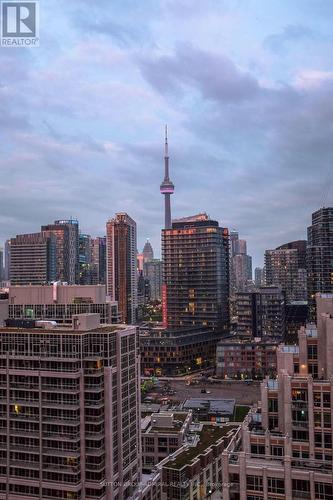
pixel 317 419
pixel 277 451
pixel 300 435
pixel 257 449
pixel 301 486
pixel 324 491
pixel 275 485
pixel 327 420
pixel 318 439
pixel 254 483
pixel 317 399
pixel 327 440
pixel 273 405
pixel 312 352
pixel 326 400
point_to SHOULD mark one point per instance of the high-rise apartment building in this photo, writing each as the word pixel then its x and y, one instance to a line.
pixel 7 260
pixel 152 270
pixel 121 265
pixel 283 268
pixel 85 268
pixel 320 255
pixel 240 264
pixel 98 260
pixel 69 411
pixel 284 448
pixel 259 279
pixel 32 259
pixel 196 273
pixel 1 265
pixel 261 313
pixel 67 237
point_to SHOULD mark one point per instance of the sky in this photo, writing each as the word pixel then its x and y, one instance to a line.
pixel 245 86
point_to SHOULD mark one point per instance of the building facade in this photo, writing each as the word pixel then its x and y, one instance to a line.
pixel 59 302
pixel 320 256
pixel 176 352
pixel 284 449
pixel 196 274
pixel 98 261
pixel 121 265
pixel 236 358
pixel 66 233
pixel 32 259
pixel 85 259
pixel 283 269
pixel 153 271
pixel 162 434
pixel 261 313
pixel 69 412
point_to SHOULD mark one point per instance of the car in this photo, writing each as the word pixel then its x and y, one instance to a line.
pixel 203 391
pixel 208 392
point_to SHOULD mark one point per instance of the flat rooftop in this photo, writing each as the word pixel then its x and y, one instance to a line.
pixel 225 406
pixel 209 435
pixel 63 330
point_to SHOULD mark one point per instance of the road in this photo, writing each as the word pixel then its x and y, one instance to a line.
pixel 241 392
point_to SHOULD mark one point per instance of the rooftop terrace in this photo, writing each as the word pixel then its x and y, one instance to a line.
pixel 209 436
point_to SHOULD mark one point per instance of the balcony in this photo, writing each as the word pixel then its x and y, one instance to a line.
pixel 24 465
pixel 61 453
pixel 300 495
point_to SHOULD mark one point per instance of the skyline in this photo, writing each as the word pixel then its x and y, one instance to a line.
pixel 247 102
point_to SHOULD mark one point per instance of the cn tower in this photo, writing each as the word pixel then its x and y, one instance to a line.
pixel 167 188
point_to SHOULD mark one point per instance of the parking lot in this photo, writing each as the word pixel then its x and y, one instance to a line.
pixel 240 391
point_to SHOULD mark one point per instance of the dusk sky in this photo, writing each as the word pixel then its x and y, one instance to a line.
pixel 245 86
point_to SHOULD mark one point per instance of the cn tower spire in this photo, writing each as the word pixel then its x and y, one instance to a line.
pixel 167 188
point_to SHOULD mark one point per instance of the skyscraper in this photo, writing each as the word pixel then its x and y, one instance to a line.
pixel 147 252
pixel 285 268
pixel 167 188
pixel 320 255
pixel 85 259
pixel 7 260
pixel 259 276
pixel 240 264
pixel 121 265
pixel 67 236
pixel 261 313
pixel 98 260
pixel 152 270
pixel 32 259
pixel 1 264
pixel 196 273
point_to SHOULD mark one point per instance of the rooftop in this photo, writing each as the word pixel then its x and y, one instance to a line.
pixel 208 436
pixel 225 406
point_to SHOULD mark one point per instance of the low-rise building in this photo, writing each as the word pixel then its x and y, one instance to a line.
pixel 162 434
pixel 211 410
pixel 248 359
pixel 195 472
pixel 176 352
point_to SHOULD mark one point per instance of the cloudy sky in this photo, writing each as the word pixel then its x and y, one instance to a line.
pixel 246 87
